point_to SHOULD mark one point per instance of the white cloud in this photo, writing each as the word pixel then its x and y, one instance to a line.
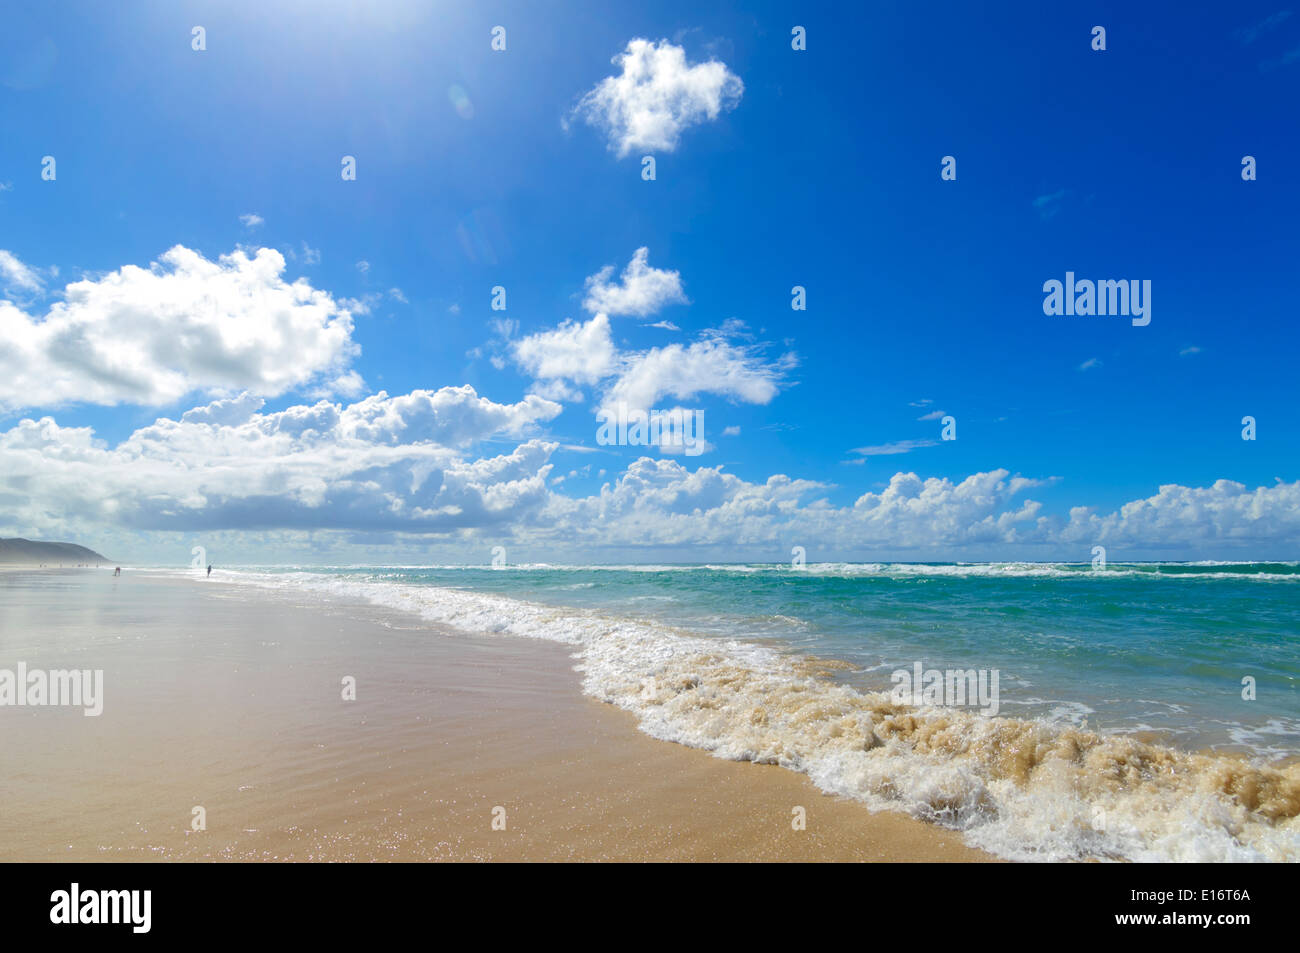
pixel 662 503
pixel 14 274
pixel 363 305
pixel 577 355
pixel 711 365
pixel 557 390
pixel 452 417
pixel 933 415
pixel 381 463
pixel 363 266
pixel 919 513
pixel 643 290
pixel 1089 364
pixel 1189 351
pixel 582 353
pixel 409 465
pixel 186 324
pixel 228 412
pixel 656 96
pixel 251 220
pixel 397 295
pixel 1225 512
pixel 310 256
pixel 347 384
pixel 898 446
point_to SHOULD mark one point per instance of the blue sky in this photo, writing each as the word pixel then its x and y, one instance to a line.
pixel 479 168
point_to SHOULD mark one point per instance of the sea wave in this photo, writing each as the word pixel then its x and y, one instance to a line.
pixel 1273 571
pixel 1191 571
pixel 1024 789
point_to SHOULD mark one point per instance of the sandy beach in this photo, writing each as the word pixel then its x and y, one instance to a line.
pixel 229 699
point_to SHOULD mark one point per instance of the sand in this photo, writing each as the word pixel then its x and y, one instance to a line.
pixel 229 699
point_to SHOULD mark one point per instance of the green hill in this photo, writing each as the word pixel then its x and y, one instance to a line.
pixel 29 552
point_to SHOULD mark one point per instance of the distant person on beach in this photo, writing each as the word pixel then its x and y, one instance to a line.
pixel 209 569
pixel 117 571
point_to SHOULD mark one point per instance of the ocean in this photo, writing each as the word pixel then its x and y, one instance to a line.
pixel 1144 712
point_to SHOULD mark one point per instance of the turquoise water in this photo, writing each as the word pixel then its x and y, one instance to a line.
pixel 1146 648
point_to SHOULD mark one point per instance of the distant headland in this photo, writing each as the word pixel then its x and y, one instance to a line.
pixel 29 552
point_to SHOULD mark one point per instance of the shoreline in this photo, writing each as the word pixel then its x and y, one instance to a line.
pixel 1028 789
pixel 445 728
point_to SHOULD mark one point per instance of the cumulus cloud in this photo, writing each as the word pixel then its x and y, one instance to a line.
pixel 234 410
pixel 578 354
pixel 451 417
pixel 917 513
pixel 1225 512
pixel 416 464
pixel 663 503
pixel 656 96
pixel 382 463
pixel 567 360
pixel 641 291
pixel 251 220
pixel 184 325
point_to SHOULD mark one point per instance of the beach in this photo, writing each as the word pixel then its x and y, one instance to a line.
pixel 228 698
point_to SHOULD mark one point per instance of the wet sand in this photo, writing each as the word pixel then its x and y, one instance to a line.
pixel 227 698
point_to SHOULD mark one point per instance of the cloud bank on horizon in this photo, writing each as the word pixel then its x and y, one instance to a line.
pixel 411 465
